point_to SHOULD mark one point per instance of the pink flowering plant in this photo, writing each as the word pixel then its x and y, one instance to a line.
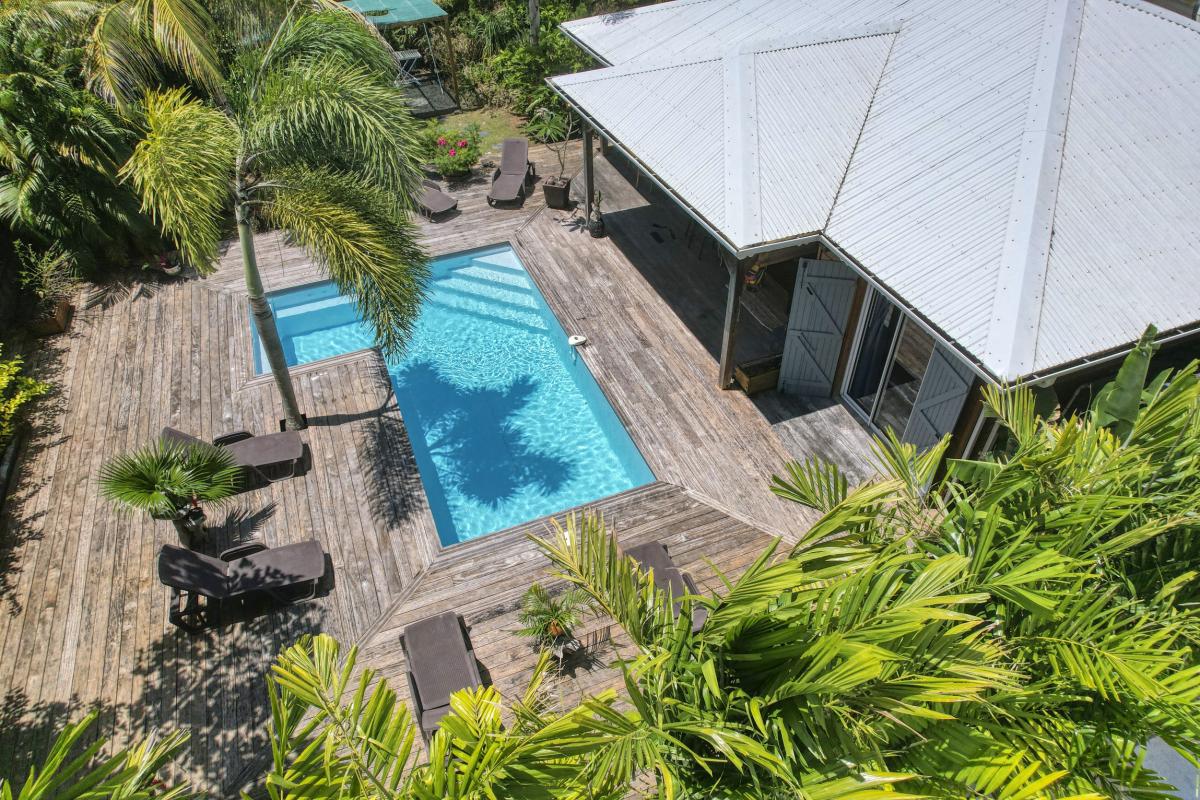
pixel 455 152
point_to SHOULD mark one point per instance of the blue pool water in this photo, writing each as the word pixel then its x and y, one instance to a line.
pixel 506 422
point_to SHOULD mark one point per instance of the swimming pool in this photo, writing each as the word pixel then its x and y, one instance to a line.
pixel 506 422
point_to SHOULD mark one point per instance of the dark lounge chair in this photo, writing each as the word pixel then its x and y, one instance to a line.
pixel 514 174
pixel 440 662
pixel 287 574
pixel 278 453
pixel 668 577
pixel 433 201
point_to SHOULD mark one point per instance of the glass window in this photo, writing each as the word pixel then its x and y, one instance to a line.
pixel 879 329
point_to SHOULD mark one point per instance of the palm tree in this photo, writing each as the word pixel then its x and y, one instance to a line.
pixel 310 135
pixel 550 619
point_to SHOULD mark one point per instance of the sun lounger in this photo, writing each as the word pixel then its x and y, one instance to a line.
pixel 668 577
pixel 287 574
pixel 514 174
pixel 440 662
pixel 433 201
pixel 277 452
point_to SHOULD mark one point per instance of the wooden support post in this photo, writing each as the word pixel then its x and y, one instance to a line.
pixel 589 179
pixel 450 53
pixel 733 309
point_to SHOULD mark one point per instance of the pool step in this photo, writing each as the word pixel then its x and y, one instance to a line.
pixel 506 260
pixel 491 292
pixel 509 280
pixel 312 305
pixel 482 306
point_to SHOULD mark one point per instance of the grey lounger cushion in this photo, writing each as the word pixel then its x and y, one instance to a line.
pixel 254 452
pixel 267 451
pixel 434 201
pixel 440 662
pixel 514 156
pixel 266 569
pixel 514 172
pixel 507 187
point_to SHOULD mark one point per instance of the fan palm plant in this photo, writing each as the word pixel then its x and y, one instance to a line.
pixel 169 481
pixel 311 136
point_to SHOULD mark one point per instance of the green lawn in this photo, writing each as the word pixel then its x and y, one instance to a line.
pixel 496 124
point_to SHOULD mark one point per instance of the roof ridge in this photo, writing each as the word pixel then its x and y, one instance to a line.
pixel 1020 281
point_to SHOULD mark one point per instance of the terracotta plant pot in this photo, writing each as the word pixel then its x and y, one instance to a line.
pixel 57 321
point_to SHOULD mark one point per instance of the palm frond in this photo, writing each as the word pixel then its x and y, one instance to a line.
pixel 182 169
pixel 318 36
pixel 332 735
pixel 588 556
pixel 333 114
pixel 365 242
pixel 131 773
pixel 815 483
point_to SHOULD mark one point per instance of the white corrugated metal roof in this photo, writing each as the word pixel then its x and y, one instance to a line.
pixel 1022 174
pixel 731 134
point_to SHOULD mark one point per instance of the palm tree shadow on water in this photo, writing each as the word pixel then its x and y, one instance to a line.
pixel 473 432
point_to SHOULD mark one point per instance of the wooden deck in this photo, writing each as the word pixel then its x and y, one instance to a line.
pixel 83 617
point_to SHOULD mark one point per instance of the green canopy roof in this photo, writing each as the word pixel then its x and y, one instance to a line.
pixel 396 12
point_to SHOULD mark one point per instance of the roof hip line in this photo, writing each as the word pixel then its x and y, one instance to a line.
pixel 866 116
pixel 1020 281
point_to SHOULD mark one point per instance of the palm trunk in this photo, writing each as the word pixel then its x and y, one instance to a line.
pixel 264 323
pixel 535 22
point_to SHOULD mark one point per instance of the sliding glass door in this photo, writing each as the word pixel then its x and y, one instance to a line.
pixel 902 379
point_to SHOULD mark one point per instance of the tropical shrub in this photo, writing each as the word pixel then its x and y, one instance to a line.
pixel 60 151
pixel 17 391
pixel 551 619
pixel 455 152
pixel 48 275
pixel 555 129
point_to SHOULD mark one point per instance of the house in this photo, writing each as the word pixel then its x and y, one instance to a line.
pixel 953 194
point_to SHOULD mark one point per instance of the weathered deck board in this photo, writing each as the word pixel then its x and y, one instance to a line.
pixel 84 619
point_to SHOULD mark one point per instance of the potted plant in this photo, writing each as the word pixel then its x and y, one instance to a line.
pixel 51 278
pixel 169 481
pixel 551 619
pixel 555 129
pixel 595 221
pixel 456 152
